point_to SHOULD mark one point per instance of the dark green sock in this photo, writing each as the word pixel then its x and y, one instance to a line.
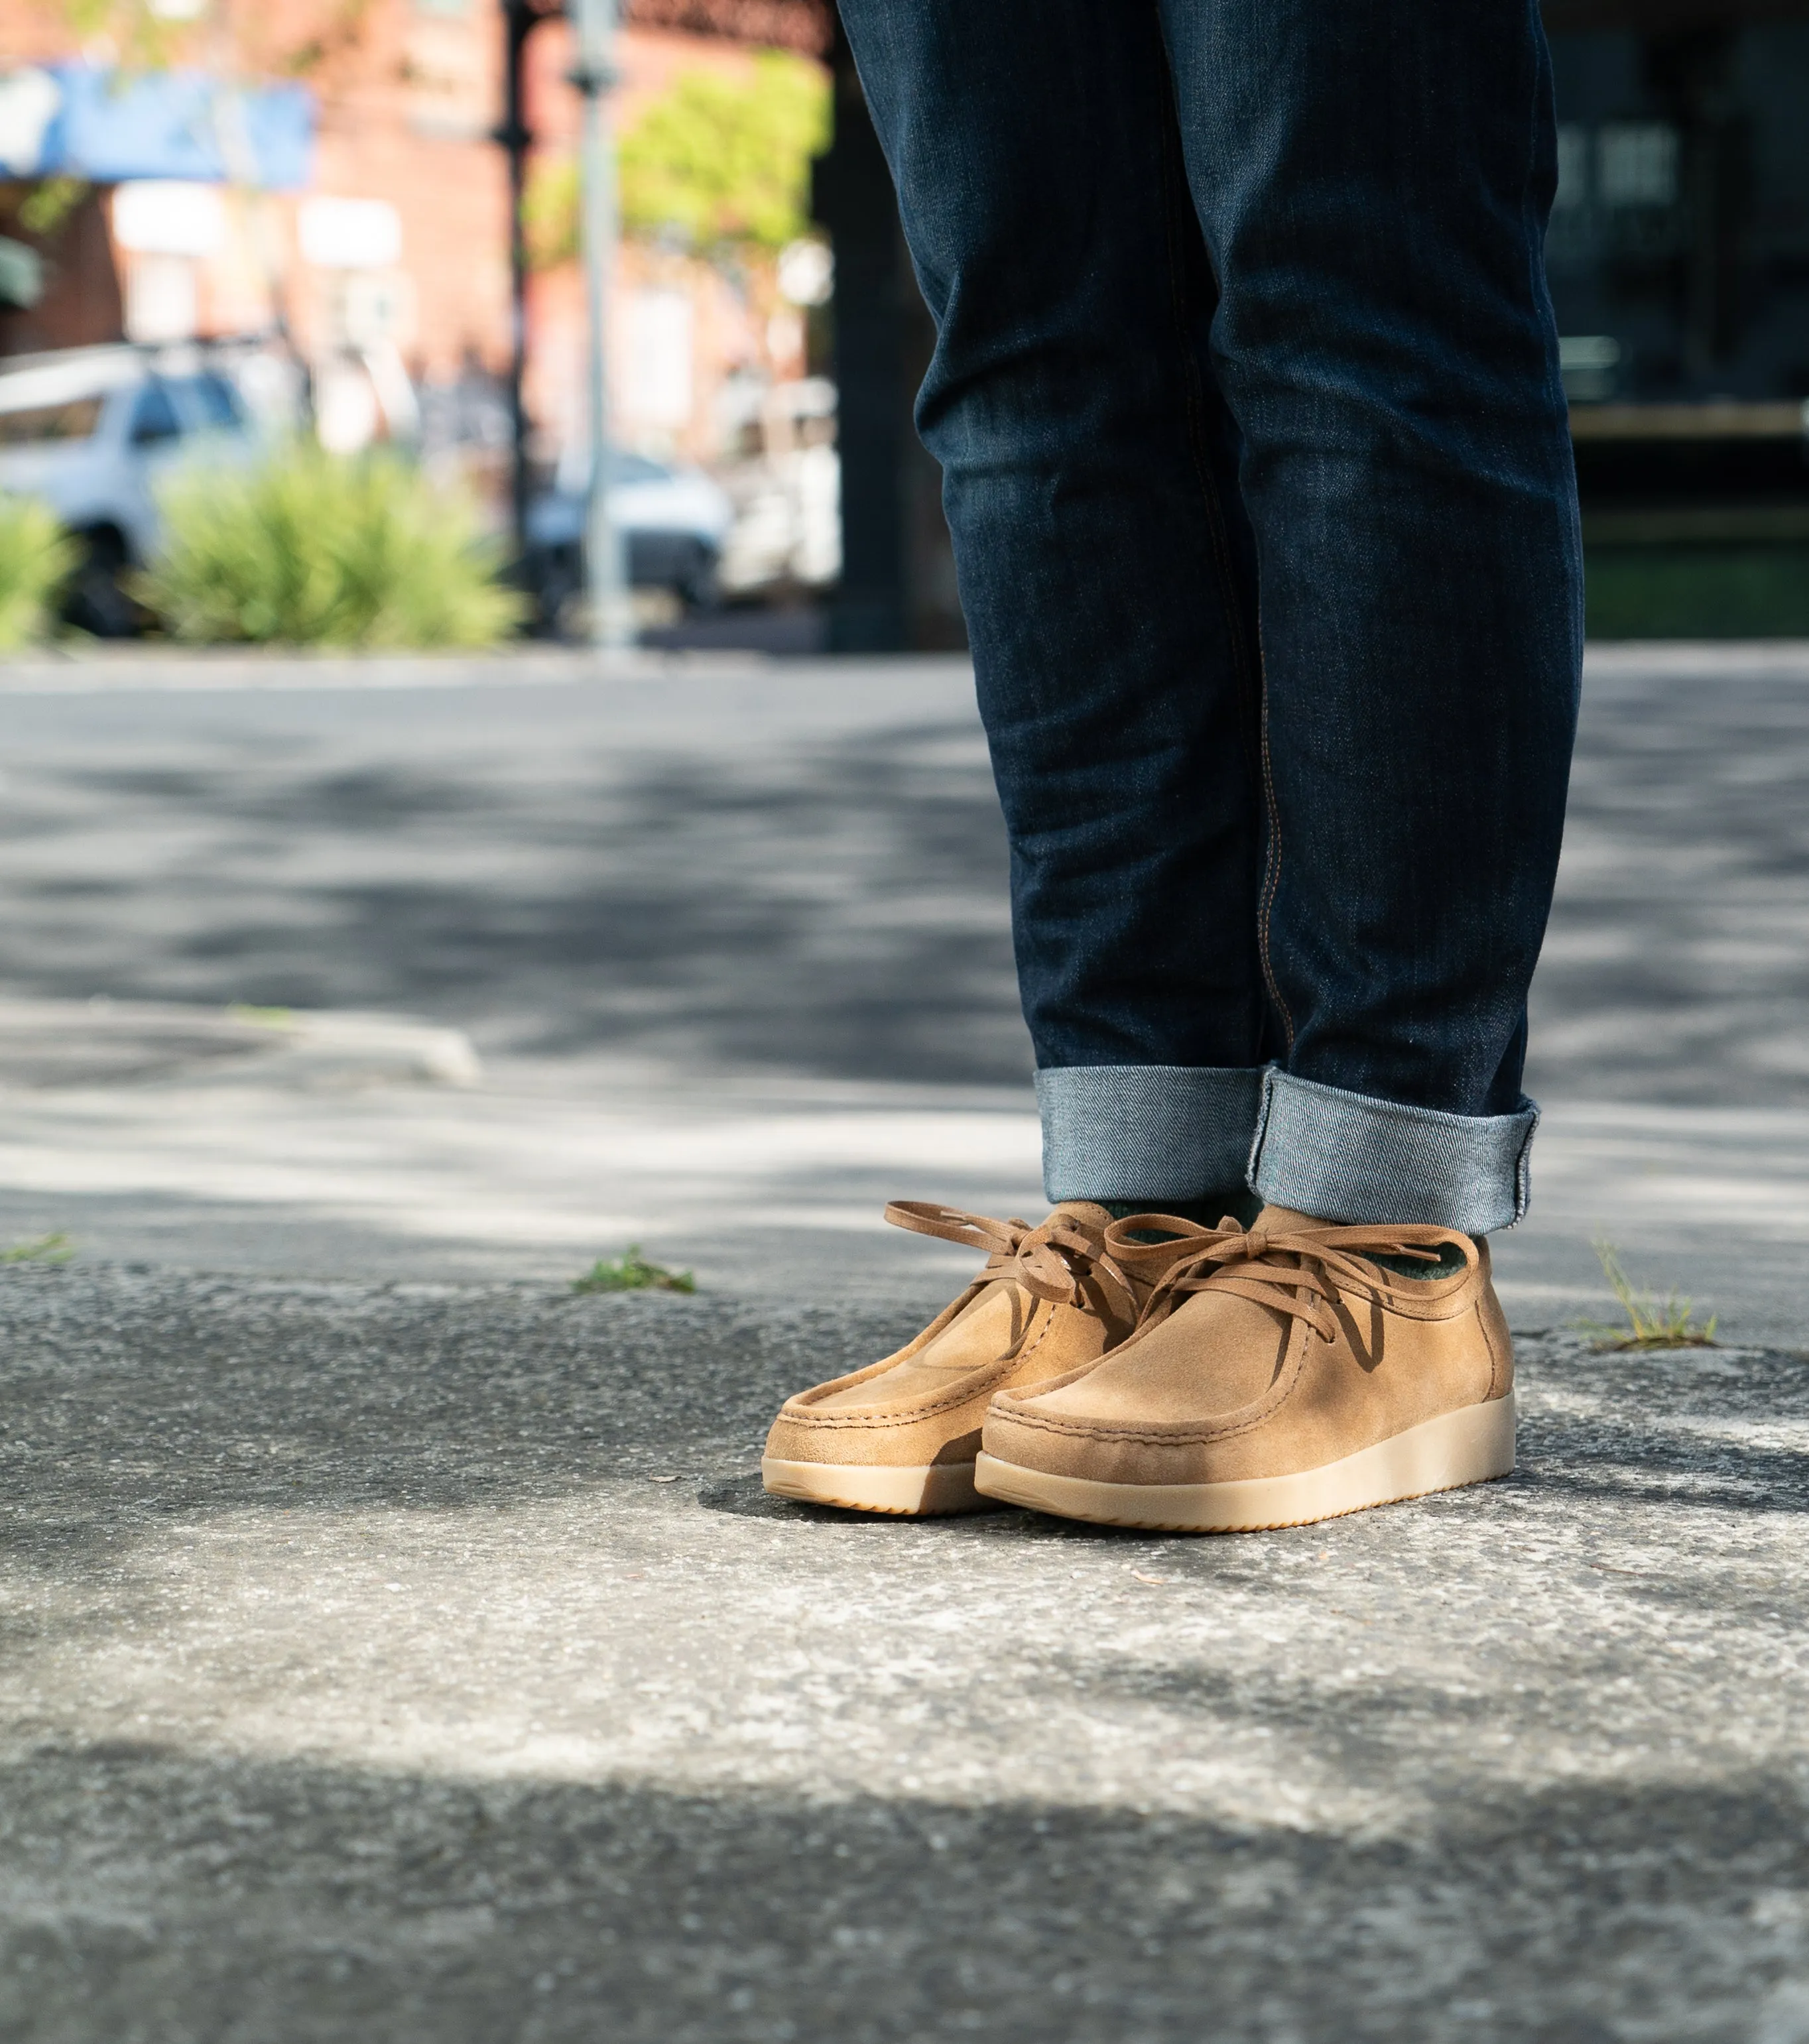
pixel 1238 1201
pixel 1243 1206
pixel 1449 1259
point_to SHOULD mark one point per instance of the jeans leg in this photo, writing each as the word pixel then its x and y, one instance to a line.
pixel 1106 568
pixel 1373 181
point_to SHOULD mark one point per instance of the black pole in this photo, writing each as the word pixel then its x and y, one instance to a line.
pixel 897 572
pixel 520 18
pixel 852 197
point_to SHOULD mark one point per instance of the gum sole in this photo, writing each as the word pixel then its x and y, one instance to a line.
pixel 927 1492
pixel 1457 1448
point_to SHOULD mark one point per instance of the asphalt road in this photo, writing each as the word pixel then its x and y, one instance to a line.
pixel 723 866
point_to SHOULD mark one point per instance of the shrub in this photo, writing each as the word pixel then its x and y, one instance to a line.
pixel 311 548
pixel 36 558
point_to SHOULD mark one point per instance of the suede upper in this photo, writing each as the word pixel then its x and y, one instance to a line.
pixel 1281 1350
pixel 924 1403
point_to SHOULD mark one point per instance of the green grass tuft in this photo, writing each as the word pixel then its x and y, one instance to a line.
pixel 631 1272
pixel 261 1018
pixel 36 558
pixel 313 549
pixel 41 1249
pixel 1649 1325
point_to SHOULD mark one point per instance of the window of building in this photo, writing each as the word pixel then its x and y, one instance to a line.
pixel 1636 163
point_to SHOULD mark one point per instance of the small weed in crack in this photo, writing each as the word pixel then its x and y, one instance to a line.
pixel 1649 1325
pixel 631 1272
pixel 40 1249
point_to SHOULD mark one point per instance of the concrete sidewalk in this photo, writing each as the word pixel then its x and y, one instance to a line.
pixel 424 1662
pixel 399 1646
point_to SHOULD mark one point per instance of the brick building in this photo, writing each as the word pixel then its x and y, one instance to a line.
pixel 395 235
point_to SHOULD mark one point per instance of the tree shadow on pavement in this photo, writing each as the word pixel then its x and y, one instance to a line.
pixel 180 1886
pixel 153 1895
pixel 837 907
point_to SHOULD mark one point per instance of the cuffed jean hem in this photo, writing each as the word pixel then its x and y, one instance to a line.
pixel 1146 1132
pixel 1342 1156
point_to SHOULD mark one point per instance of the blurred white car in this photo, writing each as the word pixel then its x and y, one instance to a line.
pixel 674 521
pixel 788 491
pixel 92 432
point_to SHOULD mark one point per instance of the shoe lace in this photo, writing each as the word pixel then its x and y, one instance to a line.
pixel 1054 1262
pixel 1297 1271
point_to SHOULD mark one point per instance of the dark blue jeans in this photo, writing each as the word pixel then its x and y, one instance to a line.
pixel 1255 458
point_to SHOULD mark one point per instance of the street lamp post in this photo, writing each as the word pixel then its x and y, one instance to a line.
pixel 594 74
pixel 520 19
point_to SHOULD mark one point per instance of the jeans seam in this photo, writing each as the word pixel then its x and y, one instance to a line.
pixel 1190 383
pixel 1210 497
pixel 1538 289
pixel 1272 876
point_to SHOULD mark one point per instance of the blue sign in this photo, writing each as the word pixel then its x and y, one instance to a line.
pixel 109 127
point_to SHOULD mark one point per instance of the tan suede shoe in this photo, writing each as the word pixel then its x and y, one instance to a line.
pixel 900 1436
pixel 1277 1376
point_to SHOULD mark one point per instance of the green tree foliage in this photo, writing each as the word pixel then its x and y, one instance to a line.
pixel 49 203
pixel 550 212
pixel 717 163
pixel 140 35
pixel 36 558
pixel 235 38
pixel 314 549
pixel 723 159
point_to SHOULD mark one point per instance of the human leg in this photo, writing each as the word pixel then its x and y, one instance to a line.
pixel 1385 347
pixel 1106 568
pixel 1373 183
pixel 1106 574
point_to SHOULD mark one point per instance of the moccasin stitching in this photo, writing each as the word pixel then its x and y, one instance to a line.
pixel 1156 1440
pixel 1085 1431
pixel 910 1415
pixel 1247 1421
pixel 1242 1420
pixel 906 1416
pixel 1137 1433
pixel 870 1371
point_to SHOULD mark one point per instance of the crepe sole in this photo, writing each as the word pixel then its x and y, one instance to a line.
pixel 1470 1445
pixel 925 1492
